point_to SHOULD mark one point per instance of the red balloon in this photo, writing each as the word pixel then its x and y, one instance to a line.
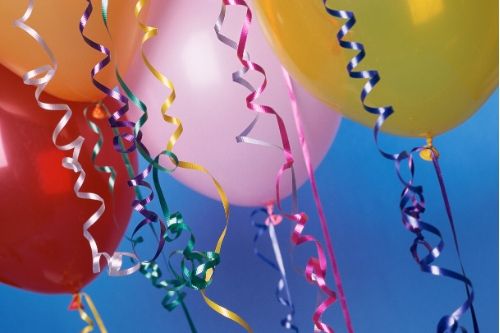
pixel 42 247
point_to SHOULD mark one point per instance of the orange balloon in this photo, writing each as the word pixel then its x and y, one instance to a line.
pixel 57 21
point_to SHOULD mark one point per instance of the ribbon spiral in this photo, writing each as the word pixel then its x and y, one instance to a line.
pixel 175 228
pixel 316 267
pixel 150 32
pixel 412 203
pixel 244 137
pixel 96 112
pixel 282 290
pixel 198 273
pixel 40 77
pixel 133 138
pixel 317 200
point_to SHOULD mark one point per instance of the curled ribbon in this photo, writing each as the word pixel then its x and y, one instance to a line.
pixel 244 137
pixel 316 267
pixel 40 77
pixel 150 32
pixel 77 304
pixel 97 112
pixel 199 261
pixel 317 200
pixel 439 174
pixel 412 203
pixel 283 294
pixel 134 138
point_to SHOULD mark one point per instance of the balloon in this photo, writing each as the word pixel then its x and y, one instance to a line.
pixel 42 247
pixel 438 59
pixel 57 22
pixel 212 107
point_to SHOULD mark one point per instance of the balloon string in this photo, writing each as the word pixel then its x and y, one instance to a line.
pixel 316 267
pixel 255 93
pixel 40 77
pixel 174 296
pixel 412 203
pixel 439 174
pixel 208 260
pixel 134 139
pixel 77 304
pixel 97 113
pixel 283 294
pixel 244 137
pixel 192 327
pixel 317 200
pixel 150 32
pixel 226 312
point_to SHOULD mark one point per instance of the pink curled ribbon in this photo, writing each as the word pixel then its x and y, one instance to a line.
pixel 317 200
pixel 316 266
pixel 40 78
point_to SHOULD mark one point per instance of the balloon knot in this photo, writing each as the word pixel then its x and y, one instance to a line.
pixel 98 112
pixel 429 152
pixel 76 303
pixel 272 218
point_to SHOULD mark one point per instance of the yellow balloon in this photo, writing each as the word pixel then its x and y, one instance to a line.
pixel 57 22
pixel 438 59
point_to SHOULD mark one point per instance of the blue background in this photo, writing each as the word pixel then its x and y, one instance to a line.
pixel 384 287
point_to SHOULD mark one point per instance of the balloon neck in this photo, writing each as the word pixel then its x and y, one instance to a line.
pixel 98 112
pixel 429 152
pixel 76 303
pixel 272 218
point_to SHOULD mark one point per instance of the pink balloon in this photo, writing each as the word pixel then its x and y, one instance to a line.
pixel 212 107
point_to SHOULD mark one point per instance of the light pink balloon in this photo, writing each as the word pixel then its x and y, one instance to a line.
pixel 212 107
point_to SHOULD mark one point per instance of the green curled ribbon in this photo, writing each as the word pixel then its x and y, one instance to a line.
pixel 201 264
pixel 197 267
pixel 194 265
pixel 97 147
pixel 196 275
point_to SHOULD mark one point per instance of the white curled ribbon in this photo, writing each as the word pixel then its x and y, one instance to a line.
pixel 40 78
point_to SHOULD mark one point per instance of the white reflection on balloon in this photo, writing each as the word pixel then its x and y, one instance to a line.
pixel 200 63
pixel 3 158
pixel 423 10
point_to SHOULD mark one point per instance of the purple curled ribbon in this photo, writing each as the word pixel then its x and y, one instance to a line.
pixel 412 203
pixel 133 138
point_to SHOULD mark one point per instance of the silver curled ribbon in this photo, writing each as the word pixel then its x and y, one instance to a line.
pixel 282 293
pixel 40 78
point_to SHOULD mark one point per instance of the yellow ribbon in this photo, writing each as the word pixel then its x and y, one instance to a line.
pixel 226 313
pixel 77 304
pixel 150 32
